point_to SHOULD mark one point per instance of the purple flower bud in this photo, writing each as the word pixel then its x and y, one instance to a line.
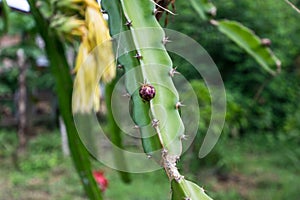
pixel 147 92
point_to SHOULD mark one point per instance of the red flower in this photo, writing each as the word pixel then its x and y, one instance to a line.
pixel 101 180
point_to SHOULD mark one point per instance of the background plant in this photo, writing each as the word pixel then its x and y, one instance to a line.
pixel 257 102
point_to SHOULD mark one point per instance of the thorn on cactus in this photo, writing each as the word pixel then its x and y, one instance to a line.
pixel 147 92
pixel 155 12
pixel 164 152
pixel 155 123
pixel 149 156
pixel 113 40
pixel 103 11
pixel 203 190
pixel 187 198
pixel 126 95
pixel 166 40
pixel 128 23
pixel 179 105
pixel 138 56
pixel 179 178
pixel 173 71
pixel 183 137
pixel 119 66
pixel 136 127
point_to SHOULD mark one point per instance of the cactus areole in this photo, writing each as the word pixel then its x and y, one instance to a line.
pixel 147 92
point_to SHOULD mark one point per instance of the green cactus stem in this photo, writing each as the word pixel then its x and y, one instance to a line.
pixel 140 14
pixel 156 70
pixel 140 110
pixel 60 70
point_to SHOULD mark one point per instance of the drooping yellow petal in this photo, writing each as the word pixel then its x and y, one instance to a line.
pixel 86 87
pixel 92 4
pixel 95 60
pixel 100 38
pixel 82 54
pixel 97 95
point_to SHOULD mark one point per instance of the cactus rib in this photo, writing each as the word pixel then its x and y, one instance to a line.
pixel 167 95
pixel 117 24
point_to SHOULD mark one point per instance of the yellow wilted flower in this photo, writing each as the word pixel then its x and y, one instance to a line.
pixel 92 4
pixel 99 35
pixel 83 52
pixel 86 93
pixel 68 26
pixel 92 62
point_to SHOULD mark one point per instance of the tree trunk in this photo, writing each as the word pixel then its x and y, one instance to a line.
pixel 22 121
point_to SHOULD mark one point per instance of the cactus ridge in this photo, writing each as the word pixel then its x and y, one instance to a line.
pixel 170 134
pixel 128 61
pixel 155 67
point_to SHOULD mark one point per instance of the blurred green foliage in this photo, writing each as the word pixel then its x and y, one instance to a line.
pixel 21 27
pixel 256 101
pixel 263 112
pixel 257 166
pixel 38 160
pixel 8 143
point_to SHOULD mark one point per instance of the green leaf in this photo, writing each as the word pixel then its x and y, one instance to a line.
pixel 204 8
pixel 251 43
pixel 6 11
pixel 184 190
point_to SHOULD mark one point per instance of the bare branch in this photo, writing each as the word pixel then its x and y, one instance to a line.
pixel 293 6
